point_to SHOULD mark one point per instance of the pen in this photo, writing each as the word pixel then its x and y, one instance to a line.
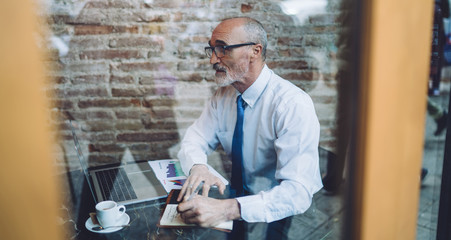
pixel 199 187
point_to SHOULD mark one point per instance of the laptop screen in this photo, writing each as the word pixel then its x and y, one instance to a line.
pixel 83 163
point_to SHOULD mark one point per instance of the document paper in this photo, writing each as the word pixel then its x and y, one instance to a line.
pixel 170 173
pixel 172 218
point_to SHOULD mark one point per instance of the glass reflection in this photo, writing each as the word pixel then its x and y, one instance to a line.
pixel 436 124
pixel 135 76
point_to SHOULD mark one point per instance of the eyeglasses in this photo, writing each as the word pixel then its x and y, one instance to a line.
pixel 221 50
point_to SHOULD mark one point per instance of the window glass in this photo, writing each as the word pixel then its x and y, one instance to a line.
pixel 134 75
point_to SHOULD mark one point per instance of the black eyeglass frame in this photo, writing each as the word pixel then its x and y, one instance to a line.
pixel 210 50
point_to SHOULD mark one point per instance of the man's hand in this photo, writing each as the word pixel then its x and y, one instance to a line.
pixel 209 212
pixel 198 174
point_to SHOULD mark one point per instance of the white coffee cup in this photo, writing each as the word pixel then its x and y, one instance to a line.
pixel 108 212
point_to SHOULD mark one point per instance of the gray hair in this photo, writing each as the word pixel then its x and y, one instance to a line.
pixel 256 32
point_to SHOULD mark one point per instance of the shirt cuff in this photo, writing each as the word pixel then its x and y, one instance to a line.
pixel 249 205
pixel 188 161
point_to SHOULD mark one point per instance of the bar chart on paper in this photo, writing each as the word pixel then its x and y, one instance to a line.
pixel 174 169
pixel 169 172
pixel 171 176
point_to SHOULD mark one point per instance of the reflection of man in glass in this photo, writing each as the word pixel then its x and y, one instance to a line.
pixel 279 149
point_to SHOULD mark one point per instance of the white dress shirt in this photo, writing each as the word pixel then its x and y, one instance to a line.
pixel 280 145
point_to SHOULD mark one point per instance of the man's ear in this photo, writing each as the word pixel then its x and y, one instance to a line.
pixel 257 51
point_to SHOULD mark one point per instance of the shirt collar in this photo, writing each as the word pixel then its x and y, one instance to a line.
pixel 252 94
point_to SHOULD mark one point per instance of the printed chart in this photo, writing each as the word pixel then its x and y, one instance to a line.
pixel 169 172
pixel 171 176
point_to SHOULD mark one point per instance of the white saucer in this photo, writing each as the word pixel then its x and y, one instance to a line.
pixel 125 219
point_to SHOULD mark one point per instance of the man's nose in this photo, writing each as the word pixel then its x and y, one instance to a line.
pixel 214 59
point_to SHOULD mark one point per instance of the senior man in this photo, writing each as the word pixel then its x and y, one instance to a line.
pixel 266 124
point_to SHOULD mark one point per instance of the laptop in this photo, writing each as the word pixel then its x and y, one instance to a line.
pixel 125 184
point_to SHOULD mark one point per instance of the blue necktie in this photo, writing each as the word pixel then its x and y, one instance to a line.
pixel 237 148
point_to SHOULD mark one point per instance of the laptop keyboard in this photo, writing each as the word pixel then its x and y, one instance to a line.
pixel 115 185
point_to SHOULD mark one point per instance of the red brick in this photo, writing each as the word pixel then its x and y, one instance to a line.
pixel 78 115
pixel 145 66
pixel 90 79
pixel 121 79
pixel 94 92
pixel 126 92
pixel 155 44
pixel 92 17
pixel 164 4
pixel 96 4
pixel 194 66
pixel 126 29
pixel 129 114
pixel 161 124
pixel 160 90
pixel 103 159
pixel 145 16
pixel 77 92
pixel 304 75
pixel 162 113
pixel 293 64
pixel 187 16
pixel 158 146
pixel 86 67
pixel 162 154
pixel 195 77
pixel 105 148
pixel 129 125
pixel 102 136
pixel 290 41
pixel 92 29
pixel 103 29
pixel 319 40
pixel 110 4
pixel 158 102
pixel 324 29
pixel 87 42
pixel 106 103
pixel 145 80
pixel 63 104
pixel 98 126
pixel 139 147
pixel 147 137
pixel 99 115
pixel 112 54
pixel 135 102
pixel 294 52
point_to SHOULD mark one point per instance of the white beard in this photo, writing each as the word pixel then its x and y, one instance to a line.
pixel 230 78
pixel 223 81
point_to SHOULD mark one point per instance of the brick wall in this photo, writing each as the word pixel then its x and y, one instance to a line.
pixel 134 75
